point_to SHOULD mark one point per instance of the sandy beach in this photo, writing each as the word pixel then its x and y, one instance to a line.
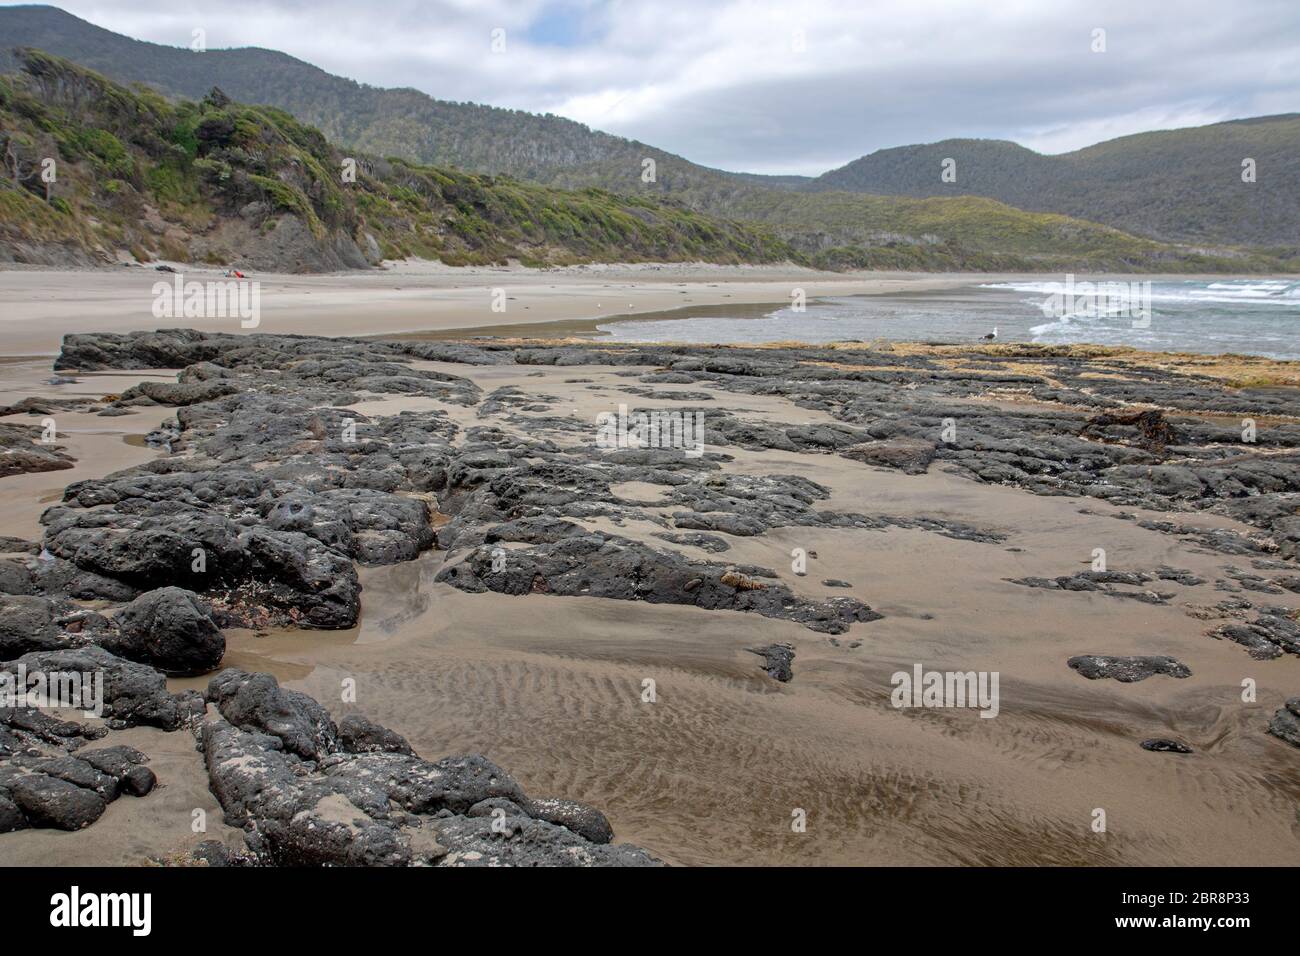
pixel 740 440
pixel 550 686
pixel 41 305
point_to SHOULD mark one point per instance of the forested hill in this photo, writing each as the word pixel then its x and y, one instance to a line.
pixel 880 213
pixel 1181 185
pixel 228 183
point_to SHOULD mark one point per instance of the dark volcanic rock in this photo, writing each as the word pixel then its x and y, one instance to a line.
pixel 777 660
pixel 171 629
pixel 894 404
pixel 28 730
pixel 452 783
pixel 258 704
pixel 594 565
pixel 75 771
pixel 181 393
pixel 1102 582
pixel 67 792
pixel 294 818
pixel 53 577
pixel 12 545
pixel 207 552
pixel 379 808
pixel 215 853
pixel 54 803
pixel 471 841
pixel 21 453
pixel 1286 722
pixel 910 455
pixel 1127 669
pixel 358 735
pixel 705 542
pixel 1161 745
pixel 139 781
pixel 27 623
pixel 1273 633
pixel 587 822
pixel 133 693
pixel 116 762
pixel 275 486
pixel 11 817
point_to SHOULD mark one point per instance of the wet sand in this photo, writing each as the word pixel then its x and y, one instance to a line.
pixel 98 444
pixel 711 771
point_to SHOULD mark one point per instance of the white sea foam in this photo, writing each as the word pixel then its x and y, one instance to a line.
pixel 1284 293
pixel 1259 316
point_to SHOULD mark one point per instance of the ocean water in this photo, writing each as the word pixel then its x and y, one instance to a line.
pixel 1251 316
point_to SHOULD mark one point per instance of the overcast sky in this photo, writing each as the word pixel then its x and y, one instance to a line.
pixel 782 85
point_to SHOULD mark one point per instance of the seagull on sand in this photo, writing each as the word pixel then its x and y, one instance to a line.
pixel 992 335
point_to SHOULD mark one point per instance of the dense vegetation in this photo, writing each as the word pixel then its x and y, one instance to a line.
pixel 213 179
pixel 401 122
pixel 851 231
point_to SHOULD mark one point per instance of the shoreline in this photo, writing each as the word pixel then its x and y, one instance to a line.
pixel 429 300
pixel 588 329
pixel 414 297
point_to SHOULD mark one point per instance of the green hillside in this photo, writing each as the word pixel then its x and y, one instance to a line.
pixel 223 182
pixel 827 222
pixel 853 231
pixel 1180 185
pixel 386 122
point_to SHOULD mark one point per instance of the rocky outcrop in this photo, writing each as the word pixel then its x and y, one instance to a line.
pixel 69 792
pixel 909 455
pixel 1272 633
pixel 169 628
pixel 307 795
pixel 22 452
pixel 281 490
pixel 44 574
pixel 1163 745
pixel 29 623
pixel 257 703
pixel 251 572
pixel 1105 582
pixel 275 488
pixel 594 565
pixel 1127 670
pixel 777 661
pixel 133 694
pixel 359 735
pixel 33 732
pixel 1286 722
